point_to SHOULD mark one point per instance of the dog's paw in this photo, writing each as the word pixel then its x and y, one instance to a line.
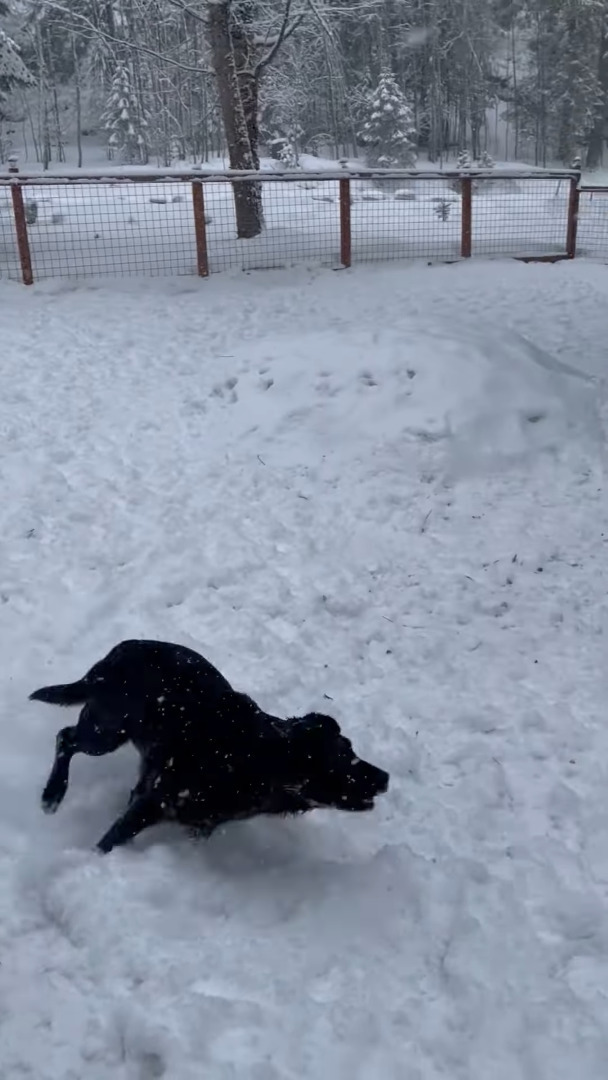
pixel 50 803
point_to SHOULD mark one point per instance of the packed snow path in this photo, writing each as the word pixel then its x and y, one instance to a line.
pixel 379 494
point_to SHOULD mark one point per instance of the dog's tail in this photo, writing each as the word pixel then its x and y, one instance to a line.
pixel 76 693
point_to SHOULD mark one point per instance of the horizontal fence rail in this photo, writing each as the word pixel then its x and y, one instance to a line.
pixel 140 222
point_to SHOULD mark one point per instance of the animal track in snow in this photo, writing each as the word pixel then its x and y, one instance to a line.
pixel 367 379
pixel 226 390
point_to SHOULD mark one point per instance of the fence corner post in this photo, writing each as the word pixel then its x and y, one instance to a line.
pixel 200 229
pixel 466 195
pixel 23 243
pixel 573 208
pixel 345 230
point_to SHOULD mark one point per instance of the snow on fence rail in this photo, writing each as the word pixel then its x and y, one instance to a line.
pixel 155 223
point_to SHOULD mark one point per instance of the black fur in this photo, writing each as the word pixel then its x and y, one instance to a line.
pixel 208 753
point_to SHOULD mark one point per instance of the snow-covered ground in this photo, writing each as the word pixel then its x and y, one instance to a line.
pixel 148 228
pixel 378 493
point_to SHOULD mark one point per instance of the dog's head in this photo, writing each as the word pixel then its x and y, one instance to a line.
pixel 325 769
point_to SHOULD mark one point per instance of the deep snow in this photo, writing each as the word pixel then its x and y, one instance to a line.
pixel 378 493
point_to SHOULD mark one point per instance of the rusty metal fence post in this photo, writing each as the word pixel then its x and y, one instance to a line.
pixel 200 228
pixel 23 244
pixel 466 193
pixel 345 229
pixel 573 208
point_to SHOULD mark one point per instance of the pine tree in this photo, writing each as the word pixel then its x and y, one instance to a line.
pixel 576 94
pixel 443 209
pixel 13 71
pixel 388 127
pixel 125 120
pixel 560 98
pixel 288 156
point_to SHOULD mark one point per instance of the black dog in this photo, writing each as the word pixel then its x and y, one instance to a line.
pixel 209 755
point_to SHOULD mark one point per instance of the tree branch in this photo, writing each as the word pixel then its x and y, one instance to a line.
pixel 187 10
pixel 285 31
pixel 86 23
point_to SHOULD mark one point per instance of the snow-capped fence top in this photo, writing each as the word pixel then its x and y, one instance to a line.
pixel 146 175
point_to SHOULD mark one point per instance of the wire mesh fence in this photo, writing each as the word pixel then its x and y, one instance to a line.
pixel 117 229
pixel 412 219
pixel 10 265
pixel 301 225
pixel 592 239
pixel 521 217
pixel 157 224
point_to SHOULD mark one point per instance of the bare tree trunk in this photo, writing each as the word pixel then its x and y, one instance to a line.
pixel 597 138
pixel 34 133
pixel 436 138
pixel 247 193
pixel 566 137
pixel 58 132
pixel 515 90
pixel 78 101
pixel 248 79
pixel 55 112
pixel 43 115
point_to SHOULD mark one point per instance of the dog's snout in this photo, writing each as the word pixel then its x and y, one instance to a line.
pixel 374 777
pixel 383 781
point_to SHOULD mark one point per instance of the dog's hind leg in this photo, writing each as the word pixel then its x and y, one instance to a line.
pixel 87 737
pixel 141 814
pixel 57 783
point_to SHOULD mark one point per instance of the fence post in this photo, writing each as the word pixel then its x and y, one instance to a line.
pixel 23 244
pixel 200 230
pixel 345 232
pixel 573 206
pixel 466 194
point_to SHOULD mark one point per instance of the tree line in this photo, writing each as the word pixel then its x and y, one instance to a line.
pixel 170 80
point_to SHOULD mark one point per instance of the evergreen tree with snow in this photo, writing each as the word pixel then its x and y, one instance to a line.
pixel 125 120
pixel 13 71
pixel 388 128
pixel 288 156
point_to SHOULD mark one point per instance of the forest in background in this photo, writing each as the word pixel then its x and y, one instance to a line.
pixel 384 80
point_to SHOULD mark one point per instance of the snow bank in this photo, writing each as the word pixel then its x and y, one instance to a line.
pixel 264 467
pixel 515 401
pixel 490 402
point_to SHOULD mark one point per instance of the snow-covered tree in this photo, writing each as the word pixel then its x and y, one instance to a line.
pixel 388 126
pixel 13 71
pixel 560 100
pixel 125 120
pixel 465 161
pixel 224 77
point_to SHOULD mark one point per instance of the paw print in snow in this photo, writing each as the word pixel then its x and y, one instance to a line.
pixel 324 386
pixel 226 390
pixel 367 379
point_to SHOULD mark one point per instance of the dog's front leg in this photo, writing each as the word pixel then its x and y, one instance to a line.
pixel 152 760
pixel 143 812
